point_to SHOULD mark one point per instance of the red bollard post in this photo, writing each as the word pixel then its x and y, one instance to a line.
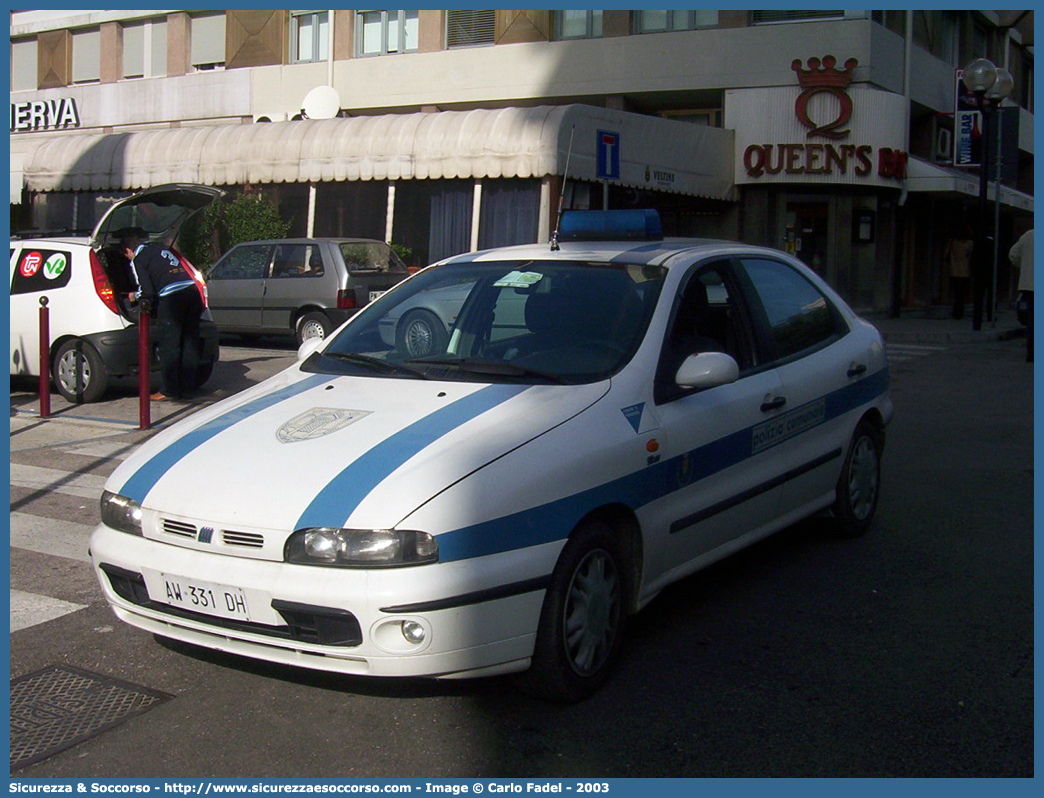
pixel 144 361
pixel 45 359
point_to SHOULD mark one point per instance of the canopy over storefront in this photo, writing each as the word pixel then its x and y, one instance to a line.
pixel 651 153
pixel 924 176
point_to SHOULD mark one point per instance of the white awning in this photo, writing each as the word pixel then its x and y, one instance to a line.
pixel 654 153
pixel 924 176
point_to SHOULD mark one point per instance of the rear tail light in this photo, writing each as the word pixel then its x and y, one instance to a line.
pixel 346 299
pixel 195 274
pixel 102 286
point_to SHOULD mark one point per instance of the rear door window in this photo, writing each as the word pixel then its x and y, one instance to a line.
pixel 297 260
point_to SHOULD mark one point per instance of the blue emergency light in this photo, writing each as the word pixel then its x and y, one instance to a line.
pixel 618 225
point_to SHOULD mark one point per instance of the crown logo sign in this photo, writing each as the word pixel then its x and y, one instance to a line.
pixel 823 77
pixel 823 73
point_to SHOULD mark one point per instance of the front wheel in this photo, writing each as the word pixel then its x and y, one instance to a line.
pixel 859 485
pixel 79 372
pixel 313 325
pixel 581 622
pixel 420 334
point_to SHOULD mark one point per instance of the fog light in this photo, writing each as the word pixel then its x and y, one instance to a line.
pixel 413 632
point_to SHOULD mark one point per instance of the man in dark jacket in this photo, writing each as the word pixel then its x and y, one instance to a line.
pixel 167 290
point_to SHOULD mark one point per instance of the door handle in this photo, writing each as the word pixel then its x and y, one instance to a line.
pixel 856 369
pixel 774 403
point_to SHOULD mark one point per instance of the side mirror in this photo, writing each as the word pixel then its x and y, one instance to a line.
pixel 308 348
pixel 707 370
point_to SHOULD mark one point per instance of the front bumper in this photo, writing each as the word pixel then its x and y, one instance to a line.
pixel 479 618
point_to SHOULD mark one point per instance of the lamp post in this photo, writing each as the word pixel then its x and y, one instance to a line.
pixel 984 80
pixel 1001 89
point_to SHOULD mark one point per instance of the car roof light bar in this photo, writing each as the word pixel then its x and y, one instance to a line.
pixel 617 225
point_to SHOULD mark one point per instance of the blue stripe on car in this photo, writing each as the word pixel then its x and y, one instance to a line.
pixel 555 520
pixel 336 502
pixel 146 477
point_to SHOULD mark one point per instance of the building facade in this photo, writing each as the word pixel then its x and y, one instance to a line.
pixel 827 133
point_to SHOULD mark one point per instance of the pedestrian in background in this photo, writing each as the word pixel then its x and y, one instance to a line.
pixel 167 290
pixel 1021 257
pixel 957 256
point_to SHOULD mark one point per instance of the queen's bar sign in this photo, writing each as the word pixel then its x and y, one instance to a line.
pixel 829 132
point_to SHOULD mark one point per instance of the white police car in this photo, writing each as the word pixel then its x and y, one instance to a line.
pixel 601 420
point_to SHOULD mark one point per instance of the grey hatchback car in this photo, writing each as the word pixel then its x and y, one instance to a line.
pixel 306 287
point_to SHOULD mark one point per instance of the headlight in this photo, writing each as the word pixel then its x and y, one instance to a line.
pixel 119 512
pixel 361 548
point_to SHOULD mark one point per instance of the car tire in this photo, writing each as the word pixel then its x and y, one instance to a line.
pixel 313 325
pixel 79 372
pixel 420 334
pixel 859 486
pixel 582 618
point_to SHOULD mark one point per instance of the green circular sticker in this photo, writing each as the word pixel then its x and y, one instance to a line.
pixel 55 265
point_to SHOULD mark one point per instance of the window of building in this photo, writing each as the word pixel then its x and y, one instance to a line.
pixel 936 32
pixel 894 20
pixel 664 21
pixel 771 17
pixel 145 49
pixel 208 41
pixel 386 32
pixel 309 36
pixel 23 65
pixel 580 24
pixel 468 28
pixel 86 56
pixel 711 117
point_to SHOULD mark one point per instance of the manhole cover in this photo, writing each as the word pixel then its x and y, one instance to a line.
pixel 60 706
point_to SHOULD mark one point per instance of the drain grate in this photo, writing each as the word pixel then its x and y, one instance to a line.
pixel 60 706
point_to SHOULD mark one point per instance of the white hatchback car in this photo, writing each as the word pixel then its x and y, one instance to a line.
pixel 86 280
pixel 504 503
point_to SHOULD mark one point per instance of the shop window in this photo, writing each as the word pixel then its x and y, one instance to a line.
pixel 666 21
pixel 309 36
pixel 208 41
pixel 578 24
pixel 23 65
pixel 86 56
pixel 145 49
pixel 773 17
pixel 468 28
pixel 386 32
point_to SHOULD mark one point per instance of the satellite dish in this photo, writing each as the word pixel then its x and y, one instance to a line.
pixel 322 102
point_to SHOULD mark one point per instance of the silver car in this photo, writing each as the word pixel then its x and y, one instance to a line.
pixel 305 287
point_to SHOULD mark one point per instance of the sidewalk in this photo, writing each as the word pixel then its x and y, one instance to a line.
pixel 934 325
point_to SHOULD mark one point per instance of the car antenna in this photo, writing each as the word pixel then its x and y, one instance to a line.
pixel 561 194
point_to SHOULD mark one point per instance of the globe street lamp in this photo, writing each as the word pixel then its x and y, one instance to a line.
pixel 982 78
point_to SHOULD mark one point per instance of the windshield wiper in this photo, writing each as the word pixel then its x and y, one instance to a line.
pixel 376 364
pixel 493 368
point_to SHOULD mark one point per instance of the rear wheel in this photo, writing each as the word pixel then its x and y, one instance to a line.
pixel 859 485
pixel 581 622
pixel 79 372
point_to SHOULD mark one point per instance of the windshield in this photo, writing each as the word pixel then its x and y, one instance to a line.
pixel 513 321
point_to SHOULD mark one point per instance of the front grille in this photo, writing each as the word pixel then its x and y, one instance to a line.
pixel 249 539
pixel 179 528
pixel 324 626
pixel 205 534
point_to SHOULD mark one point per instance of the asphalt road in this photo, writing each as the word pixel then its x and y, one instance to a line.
pixel 908 652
